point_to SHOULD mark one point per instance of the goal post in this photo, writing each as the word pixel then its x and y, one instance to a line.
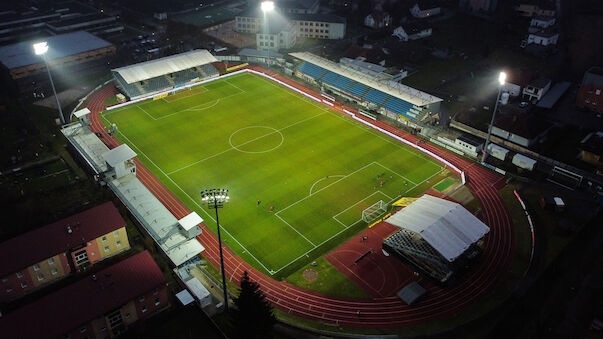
pixel 374 211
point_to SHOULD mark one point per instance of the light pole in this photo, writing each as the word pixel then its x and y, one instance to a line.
pixel 41 48
pixel 215 198
pixel 502 76
pixel 267 7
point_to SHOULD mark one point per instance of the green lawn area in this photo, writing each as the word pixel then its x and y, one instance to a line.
pixel 318 169
pixel 329 281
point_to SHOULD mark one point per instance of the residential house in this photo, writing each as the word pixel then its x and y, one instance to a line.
pixel 591 148
pixel 547 37
pixel 478 6
pixel 590 94
pixel 52 252
pixel 524 130
pixel 378 20
pixel 542 21
pixel 102 305
pixel 530 10
pixel 516 80
pixel 536 89
pixel 430 9
pixel 412 32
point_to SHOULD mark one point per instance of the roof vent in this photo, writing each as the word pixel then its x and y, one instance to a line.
pixel 69 230
pixel 94 277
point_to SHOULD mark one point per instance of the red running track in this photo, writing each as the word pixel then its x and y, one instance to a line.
pixel 379 312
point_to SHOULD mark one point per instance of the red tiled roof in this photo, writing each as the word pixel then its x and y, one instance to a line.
pixel 75 305
pixel 47 241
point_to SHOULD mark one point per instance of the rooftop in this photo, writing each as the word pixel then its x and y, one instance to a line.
pixel 58 237
pixel 119 154
pixel 594 76
pixel 527 126
pixel 318 17
pixel 59 46
pixel 70 307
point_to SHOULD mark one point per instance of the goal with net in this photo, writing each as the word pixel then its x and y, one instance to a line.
pixel 374 211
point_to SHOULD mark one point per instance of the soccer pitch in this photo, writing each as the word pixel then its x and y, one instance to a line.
pixel 317 168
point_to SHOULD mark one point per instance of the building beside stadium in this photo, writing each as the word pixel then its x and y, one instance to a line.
pixel 376 93
pixel 164 74
pixel 436 237
pixel 70 57
pixel 53 252
pixel 102 305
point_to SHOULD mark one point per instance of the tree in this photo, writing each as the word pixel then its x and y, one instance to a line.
pixel 252 315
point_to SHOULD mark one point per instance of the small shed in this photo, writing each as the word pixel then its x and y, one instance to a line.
pixel 185 297
pixel 498 152
pixel 189 223
pixel 199 291
pixel 411 293
pixel 524 162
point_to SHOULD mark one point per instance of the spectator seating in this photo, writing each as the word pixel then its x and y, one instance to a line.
pixel 375 96
pixel 312 70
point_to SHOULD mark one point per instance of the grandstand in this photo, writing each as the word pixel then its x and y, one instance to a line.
pixel 147 78
pixel 387 97
pixel 436 237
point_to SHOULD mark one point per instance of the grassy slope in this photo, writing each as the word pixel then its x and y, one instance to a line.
pixel 194 131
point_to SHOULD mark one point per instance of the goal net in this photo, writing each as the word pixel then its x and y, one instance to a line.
pixel 374 211
pixel 565 178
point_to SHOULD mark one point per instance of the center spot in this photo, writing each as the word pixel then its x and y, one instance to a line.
pixel 256 139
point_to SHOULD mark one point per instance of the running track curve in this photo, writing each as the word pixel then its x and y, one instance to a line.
pixel 383 312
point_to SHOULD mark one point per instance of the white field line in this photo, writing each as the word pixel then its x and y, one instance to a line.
pixel 293 228
pixel 356 203
pixel 195 202
pixel 321 179
pixel 396 173
pixel 296 95
pixel 331 184
pixel 235 86
pixel 245 143
pixel 144 110
pixel 188 96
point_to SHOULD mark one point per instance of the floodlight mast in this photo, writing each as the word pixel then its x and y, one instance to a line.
pixel 216 198
pixel 267 7
pixel 41 48
pixel 502 77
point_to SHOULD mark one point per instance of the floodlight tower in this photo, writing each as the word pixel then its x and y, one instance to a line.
pixel 502 76
pixel 215 198
pixel 41 48
pixel 267 7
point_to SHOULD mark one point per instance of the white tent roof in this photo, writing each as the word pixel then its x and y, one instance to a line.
pixel 190 221
pixel 171 64
pixel 397 90
pixel 447 226
pixel 185 297
pixel 198 290
pixel 119 154
pixel 81 112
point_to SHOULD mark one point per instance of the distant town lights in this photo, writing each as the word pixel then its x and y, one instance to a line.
pixel 502 77
pixel 267 6
pixel 40 47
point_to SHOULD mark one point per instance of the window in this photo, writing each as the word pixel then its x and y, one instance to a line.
pixel 116 234
pixel 23 285
pixel 40 276
pixel 597 92
pixel 19 274
pixel 155 292
pixel 36 267
pixel 106 248
pixel 141 299
pixel 103 329
pixel 50 261
pixel 144 309
pixel 54 271
pixel 326 25
pixel 157 302
pixel 8 290
pixel 83 329
pixel 104 239
pixel 4 280
pixel 118 243
pixel 127 315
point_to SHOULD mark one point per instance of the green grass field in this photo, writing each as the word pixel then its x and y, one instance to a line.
pixel 264 142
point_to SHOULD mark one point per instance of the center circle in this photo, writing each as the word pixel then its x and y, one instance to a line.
pixel 256 139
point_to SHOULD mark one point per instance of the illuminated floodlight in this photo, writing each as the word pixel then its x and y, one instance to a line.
pixel 267 6
pixel 40 47
pixel 502 77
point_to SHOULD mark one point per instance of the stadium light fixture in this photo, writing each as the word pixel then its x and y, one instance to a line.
pixel 502 76
pixel 267 6
pixel 40 48
pixel 216 198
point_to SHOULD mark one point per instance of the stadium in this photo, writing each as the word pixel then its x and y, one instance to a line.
pixel 310 169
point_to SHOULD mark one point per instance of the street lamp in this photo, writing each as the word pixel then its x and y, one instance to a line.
pixel 502 76
pixel 215 198
pixel 267 7
pixel 41 48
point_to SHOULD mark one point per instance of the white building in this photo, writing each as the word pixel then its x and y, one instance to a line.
pixel 419 13
pixel 412 32
pixel 536 89
pixel 281 36
pixel 120 161
pixel 544 38
pixel 299 6
pixel 542 21
pixel 378 20
pixel 529 10
pixel 319 26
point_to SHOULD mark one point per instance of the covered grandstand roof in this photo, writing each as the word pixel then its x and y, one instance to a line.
pixel 397 90
pixel 171 64
pixel 447 226
pixel 59 46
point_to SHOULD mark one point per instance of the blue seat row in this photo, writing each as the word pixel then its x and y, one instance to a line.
pixel 375 96
pixel 358 89
pixel 312 70
pixel 397 105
